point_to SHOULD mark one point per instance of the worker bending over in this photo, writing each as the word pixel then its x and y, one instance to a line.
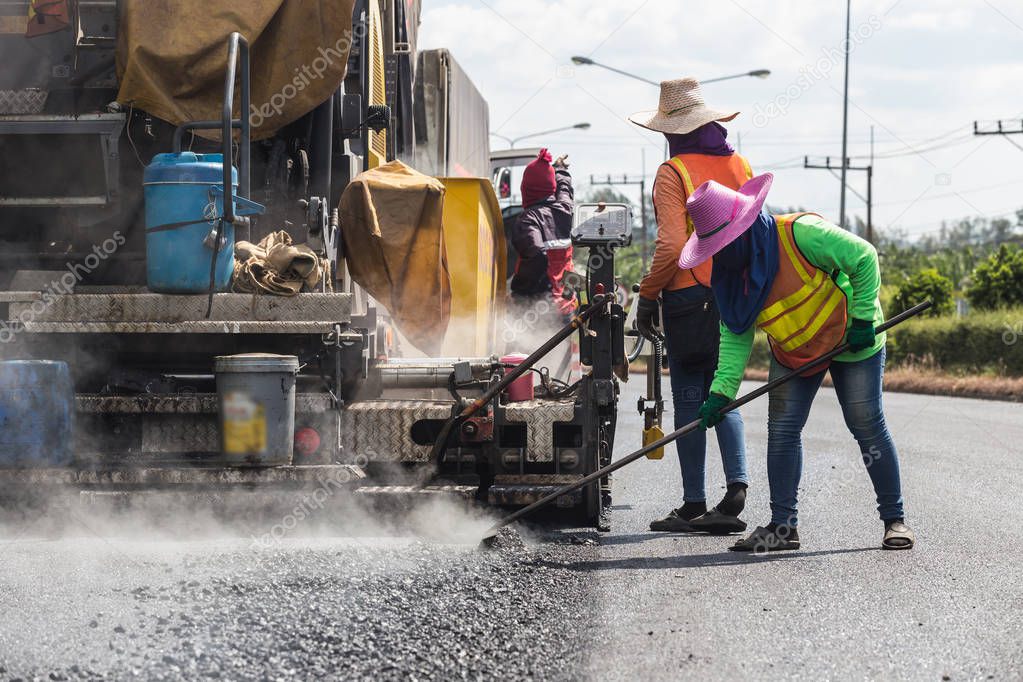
pixel 809 285
pixel 699 152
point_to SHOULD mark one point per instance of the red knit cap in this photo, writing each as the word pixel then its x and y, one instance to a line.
pixel 538 179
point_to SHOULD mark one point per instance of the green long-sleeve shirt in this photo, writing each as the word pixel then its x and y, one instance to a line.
pixel 831 249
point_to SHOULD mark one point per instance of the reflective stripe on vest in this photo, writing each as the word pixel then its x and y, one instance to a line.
pixel 689 186
pixel 805 312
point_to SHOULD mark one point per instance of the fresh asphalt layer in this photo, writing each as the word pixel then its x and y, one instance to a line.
pixel 682 606
pixel 629 605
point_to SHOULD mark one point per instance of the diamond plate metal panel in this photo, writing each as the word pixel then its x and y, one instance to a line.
pixel 461 492
pixel 539 417
pixel 196 403
pixel 25 101
pixel 135 308
pixel 169 476
pixel 381 429
pixel 179 328
pixel 521 495
pixel 180 433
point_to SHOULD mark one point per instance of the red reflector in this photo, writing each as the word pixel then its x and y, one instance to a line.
pixel 307 441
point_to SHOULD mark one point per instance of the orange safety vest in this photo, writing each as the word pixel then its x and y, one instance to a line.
pixel 805 313
pixel 695 169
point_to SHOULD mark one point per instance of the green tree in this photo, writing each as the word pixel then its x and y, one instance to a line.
pixel 998 281
pixel 926 284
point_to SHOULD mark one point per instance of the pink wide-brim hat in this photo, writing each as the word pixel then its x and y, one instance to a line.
pixel 720 216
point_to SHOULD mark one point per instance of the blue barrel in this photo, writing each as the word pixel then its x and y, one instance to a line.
pixel 184 196
pixel 36 406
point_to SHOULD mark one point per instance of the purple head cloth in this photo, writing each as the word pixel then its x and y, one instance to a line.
pixel 707 139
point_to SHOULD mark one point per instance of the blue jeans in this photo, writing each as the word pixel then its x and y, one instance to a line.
pixel 858 386
pixel 689 388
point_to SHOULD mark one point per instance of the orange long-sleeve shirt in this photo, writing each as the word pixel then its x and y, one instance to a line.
pixel 669 197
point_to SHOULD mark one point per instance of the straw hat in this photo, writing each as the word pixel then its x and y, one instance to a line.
pixel 681 109
pixel 720 216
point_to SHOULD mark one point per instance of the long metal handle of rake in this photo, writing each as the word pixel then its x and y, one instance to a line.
pixel 693 426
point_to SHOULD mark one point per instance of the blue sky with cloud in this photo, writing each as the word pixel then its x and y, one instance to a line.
pixel 921 73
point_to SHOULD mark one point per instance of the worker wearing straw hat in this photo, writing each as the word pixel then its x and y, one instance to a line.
pixel 810 286
pixel 699 152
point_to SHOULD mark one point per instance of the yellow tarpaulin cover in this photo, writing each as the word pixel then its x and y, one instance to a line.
pixel 172 55
pixel 393 234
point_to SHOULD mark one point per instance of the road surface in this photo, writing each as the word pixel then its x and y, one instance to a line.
pixel 840 608
pixel 628 605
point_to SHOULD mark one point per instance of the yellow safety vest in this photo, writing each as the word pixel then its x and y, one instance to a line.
pixel 805 313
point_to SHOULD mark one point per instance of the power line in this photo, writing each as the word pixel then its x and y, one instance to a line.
pixel 916 151
pixel 845 167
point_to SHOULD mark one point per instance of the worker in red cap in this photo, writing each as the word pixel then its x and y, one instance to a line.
pixel 541 238
pixel 541 233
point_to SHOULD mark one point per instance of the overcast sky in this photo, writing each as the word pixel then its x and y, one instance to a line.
pixel 921 72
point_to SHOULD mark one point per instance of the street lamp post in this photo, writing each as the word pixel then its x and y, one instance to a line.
pixel 586 61
pixel 512 140
pixel 845 115
pixel 755 73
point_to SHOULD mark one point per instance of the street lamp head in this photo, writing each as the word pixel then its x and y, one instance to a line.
pixel 582 126
pixel 760 73
pixel 582 61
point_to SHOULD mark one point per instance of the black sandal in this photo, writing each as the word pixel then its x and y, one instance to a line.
pixel 767 540
pixel 897 535
pixel 716 523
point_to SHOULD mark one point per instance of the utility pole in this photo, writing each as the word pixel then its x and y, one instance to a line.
pixel 869 199
pixel 1003 128
pixel 624 180
pixel 845 114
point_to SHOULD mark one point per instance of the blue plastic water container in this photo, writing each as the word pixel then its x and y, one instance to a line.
pixel 36 411
pixel 184 196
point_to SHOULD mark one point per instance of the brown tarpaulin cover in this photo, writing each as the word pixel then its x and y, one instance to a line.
pixel 393 233
pixel 172 55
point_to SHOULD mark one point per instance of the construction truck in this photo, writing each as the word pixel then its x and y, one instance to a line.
pixel 306 99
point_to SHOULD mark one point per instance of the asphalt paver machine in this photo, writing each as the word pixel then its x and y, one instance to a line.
pixel 72 288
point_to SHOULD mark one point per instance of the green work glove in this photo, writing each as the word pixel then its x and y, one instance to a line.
pixel 710 410
pixel 861 335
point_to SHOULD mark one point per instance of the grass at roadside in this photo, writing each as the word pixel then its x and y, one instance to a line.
pixel 929 382
pixel 976 356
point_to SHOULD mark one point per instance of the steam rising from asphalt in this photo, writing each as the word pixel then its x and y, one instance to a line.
pixel 268 523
